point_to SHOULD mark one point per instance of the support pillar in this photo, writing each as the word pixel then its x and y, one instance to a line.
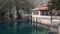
pixel 59 29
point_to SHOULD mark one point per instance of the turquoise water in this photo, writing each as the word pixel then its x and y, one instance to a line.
pixel 39 30
pixel 24 27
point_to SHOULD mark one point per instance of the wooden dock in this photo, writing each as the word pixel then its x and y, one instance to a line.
pixel 51 28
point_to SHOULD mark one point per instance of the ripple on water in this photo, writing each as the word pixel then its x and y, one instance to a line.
pixel 18 28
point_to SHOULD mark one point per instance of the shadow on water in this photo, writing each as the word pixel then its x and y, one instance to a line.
pixel 18 27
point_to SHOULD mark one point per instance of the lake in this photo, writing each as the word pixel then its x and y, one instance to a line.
pixel 18 27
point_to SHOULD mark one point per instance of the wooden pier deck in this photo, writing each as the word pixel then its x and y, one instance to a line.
pixel 51 28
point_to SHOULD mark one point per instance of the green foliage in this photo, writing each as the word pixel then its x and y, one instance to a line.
pixel 55 4
pixel 6 4
pixel 9 4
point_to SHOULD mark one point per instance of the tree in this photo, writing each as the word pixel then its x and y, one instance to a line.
pixel 22 4
pixel 55 4
pixel 7 5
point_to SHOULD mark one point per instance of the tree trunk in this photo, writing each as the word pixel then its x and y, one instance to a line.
pixel 51 16
pixel 18 15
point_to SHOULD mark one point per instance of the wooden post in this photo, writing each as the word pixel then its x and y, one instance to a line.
pixel 59 29
pixel 36 25
pixel 51 16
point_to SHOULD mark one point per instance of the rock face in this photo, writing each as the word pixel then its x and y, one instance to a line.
pixel 37 3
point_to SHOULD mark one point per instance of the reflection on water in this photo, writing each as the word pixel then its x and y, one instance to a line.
pixel 39 30
pixel 18 27
pixel 15 28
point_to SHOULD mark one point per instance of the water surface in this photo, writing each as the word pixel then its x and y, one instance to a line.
pixel 18 27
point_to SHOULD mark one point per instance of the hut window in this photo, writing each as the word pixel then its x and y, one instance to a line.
pixel 36 12
pixel 45 13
